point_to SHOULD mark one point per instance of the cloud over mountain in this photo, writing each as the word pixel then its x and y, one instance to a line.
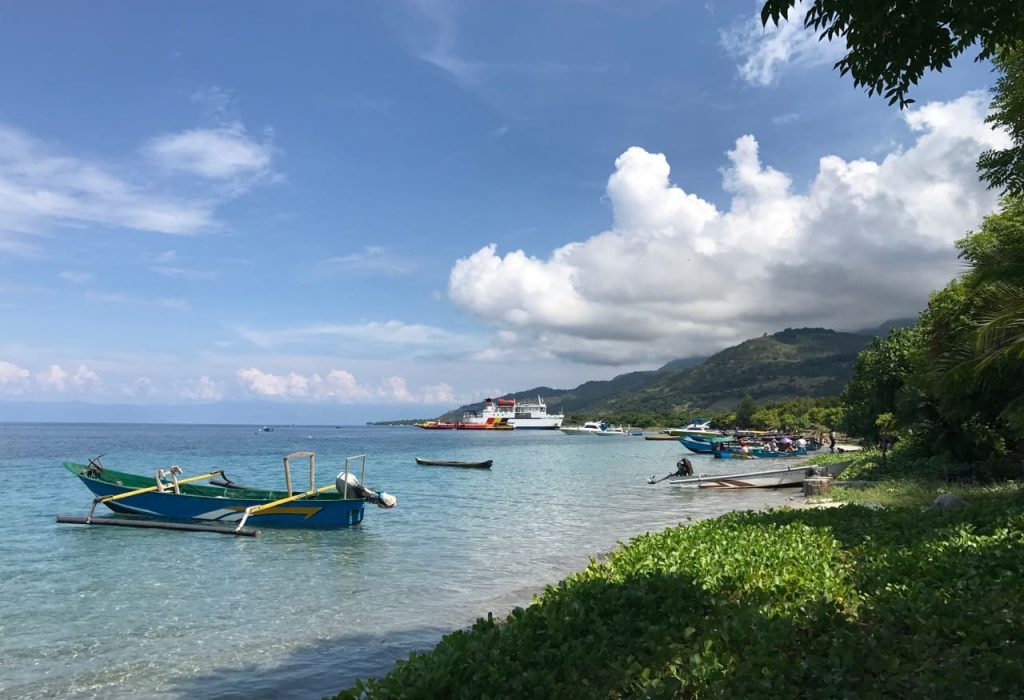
pixel 676 276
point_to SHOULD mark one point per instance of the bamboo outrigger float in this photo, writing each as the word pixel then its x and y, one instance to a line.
pixel 223 505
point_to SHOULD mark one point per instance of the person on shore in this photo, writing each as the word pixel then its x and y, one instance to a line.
pixel 832 440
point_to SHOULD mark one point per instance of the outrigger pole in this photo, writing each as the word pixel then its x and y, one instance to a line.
pixel 161 524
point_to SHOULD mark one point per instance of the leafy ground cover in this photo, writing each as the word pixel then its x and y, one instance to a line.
pixel 852 601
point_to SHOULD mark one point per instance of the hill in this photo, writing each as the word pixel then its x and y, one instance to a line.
pixel 790 363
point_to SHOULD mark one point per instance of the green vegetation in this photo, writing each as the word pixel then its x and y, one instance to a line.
pixel 884 596
pixel 952 387
pixel 891 44
pixel 844 602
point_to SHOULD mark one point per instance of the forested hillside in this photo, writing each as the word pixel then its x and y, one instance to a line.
pixel 784 365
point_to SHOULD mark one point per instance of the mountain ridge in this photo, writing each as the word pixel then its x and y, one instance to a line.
pixel 789 363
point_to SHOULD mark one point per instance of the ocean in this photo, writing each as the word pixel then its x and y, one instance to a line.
pixel 101 612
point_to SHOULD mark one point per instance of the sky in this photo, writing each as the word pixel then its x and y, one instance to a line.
pixel 376 210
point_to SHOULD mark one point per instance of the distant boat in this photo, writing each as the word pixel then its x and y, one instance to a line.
pixel 696 427
pixel 264 429
pixel 521 415
pixel 450 463
pixel 595 428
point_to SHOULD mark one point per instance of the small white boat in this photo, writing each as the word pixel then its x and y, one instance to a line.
pixel 697 426
pixel 595 428
pixel 768 478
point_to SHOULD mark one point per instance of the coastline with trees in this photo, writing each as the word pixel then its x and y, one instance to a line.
pixel 914 586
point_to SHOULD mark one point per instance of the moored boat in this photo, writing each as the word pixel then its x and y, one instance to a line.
pixel 704 444
pixel 486 464
pixel 768 478
pixel 521 415
pixel 696 427
pixel 224 502
pixel 599 428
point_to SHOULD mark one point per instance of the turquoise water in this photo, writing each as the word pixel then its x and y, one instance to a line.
pixel 122 612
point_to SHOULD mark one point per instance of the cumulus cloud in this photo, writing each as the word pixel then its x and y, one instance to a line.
pixel 202 389
pixel 13 378
pixel 56 378
pixel 763 51
pixel 675 276
pixel 339 386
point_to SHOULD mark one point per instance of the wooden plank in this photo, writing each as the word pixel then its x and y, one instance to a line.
pixel 158 524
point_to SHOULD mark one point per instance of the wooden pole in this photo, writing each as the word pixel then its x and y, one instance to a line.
pixel 158 524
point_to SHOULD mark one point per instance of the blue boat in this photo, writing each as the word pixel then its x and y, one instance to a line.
pixel 757 453
pixel 223 502
pixel 704 444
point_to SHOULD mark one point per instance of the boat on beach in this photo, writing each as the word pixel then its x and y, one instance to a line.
pixel 793 475
pixel 183 504
pixel 486 464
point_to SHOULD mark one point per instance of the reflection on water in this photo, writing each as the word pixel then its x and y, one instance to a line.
pixel 118 612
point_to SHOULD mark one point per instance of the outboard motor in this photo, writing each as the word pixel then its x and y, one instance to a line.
pixel 383 500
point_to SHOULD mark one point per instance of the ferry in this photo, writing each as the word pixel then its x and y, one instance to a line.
pixel 524 415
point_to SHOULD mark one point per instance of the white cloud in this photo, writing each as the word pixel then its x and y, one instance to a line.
pixel 763 51
pixel 168 256
pixel 202 389
pixel 339 386
pixel 75 277
pixel 56 378
pixel 182 273
pixel 13 378
pixel 381 332
pixel 40 188
pixel 225 152
pixel 676 277
pixel 177 304
pixel 371 260
pixel 105 297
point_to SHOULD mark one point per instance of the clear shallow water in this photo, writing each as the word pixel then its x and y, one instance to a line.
pixel 120 612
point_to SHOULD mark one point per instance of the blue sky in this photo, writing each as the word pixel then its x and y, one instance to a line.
pixel 389 208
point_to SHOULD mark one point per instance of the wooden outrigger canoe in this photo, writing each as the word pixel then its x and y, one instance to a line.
pixel 449 463
pixel 172 501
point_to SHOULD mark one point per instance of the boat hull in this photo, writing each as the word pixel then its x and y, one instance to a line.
pixel 450 463
pixel 214 504
pixel 768 478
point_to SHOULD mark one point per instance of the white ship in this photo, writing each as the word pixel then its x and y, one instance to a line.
pixel 525 415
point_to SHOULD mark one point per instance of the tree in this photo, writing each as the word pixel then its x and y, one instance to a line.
pixel 891 44
pixel 1004 168
pixel 879 373
pixel 745 411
